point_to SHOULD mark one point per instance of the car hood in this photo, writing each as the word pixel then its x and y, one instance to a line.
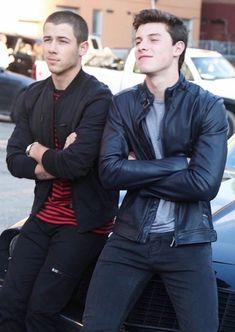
pixel 225 196
pixel 220 87
pixel 223 208
pixel 224 247
pixel 17 77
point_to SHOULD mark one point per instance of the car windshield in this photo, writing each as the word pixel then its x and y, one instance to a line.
pixel 211 68
pixel 230 163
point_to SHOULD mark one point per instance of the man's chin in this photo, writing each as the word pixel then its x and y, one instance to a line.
pixel 144 71
pixel 55 71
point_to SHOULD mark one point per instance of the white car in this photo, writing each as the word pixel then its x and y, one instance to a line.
pixel 212 71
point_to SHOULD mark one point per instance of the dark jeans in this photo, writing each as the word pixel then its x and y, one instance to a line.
pixel 124 268
pixel 47 264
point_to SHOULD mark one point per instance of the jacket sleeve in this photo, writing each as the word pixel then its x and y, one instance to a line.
pixel 117 172
pixel 202 179
pixel 18 163
pixel 77 160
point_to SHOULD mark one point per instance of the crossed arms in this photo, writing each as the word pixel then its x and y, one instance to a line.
pixel 75 160
pixel 170 178
pixel 37 151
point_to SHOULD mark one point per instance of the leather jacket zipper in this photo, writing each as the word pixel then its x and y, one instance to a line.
pixel 173 242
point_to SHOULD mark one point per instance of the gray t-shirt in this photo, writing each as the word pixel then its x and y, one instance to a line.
pixel 165 215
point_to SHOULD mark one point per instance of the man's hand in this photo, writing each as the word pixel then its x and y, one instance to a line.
pixel 70 139
pixel 131 156
pixel 42 174
pixel 36 152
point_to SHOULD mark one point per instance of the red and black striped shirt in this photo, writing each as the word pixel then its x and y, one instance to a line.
pixel 58 207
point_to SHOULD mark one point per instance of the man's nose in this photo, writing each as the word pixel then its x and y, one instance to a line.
pixel 52 47
pixel 143 45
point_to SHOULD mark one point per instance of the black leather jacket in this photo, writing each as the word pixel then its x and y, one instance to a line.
pixel 195 127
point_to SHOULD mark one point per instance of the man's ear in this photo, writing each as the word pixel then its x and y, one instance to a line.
pixel 83 48
pixel 179 48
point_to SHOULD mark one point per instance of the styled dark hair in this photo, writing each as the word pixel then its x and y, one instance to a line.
pixel 175 26
pixel 78 23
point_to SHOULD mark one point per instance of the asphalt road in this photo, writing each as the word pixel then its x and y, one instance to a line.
pixel 16 194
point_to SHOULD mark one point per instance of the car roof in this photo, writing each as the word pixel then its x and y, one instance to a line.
pixel 17 35
pixel 199 52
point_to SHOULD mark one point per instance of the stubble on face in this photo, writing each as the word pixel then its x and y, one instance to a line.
pixel 60 48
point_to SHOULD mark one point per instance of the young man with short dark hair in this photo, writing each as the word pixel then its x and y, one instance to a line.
pixel 165 143
pixel 56 142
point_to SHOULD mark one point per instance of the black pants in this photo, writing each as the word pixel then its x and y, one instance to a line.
pixel 123 269
pixel 46 266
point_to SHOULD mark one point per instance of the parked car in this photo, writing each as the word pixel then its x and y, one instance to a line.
pixel 212 71
pixel 229 171
pixel 23 50
pixel 11 85
pixel 154 312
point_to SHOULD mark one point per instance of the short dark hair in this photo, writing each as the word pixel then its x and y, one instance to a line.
pixel 77 22
pixel 175 26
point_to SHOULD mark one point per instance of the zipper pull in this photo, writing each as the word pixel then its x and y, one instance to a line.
pixel 172 242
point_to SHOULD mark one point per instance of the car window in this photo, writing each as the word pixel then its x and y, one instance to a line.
pixel 94 43
pixel 214 67
pixel 187 72
pixel 25 48
pixel 136 69
pixel 230 163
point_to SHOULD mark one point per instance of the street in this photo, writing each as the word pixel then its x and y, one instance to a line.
pixel 16 194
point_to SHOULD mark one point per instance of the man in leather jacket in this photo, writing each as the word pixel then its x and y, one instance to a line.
pixel 165 143
pixel 56 142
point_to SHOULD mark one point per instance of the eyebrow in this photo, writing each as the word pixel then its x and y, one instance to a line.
pixel 149 35
pixel 57 37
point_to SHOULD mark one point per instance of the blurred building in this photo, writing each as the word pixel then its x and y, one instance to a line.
pixel 217 21
pixel 109 19
pixel 217 30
